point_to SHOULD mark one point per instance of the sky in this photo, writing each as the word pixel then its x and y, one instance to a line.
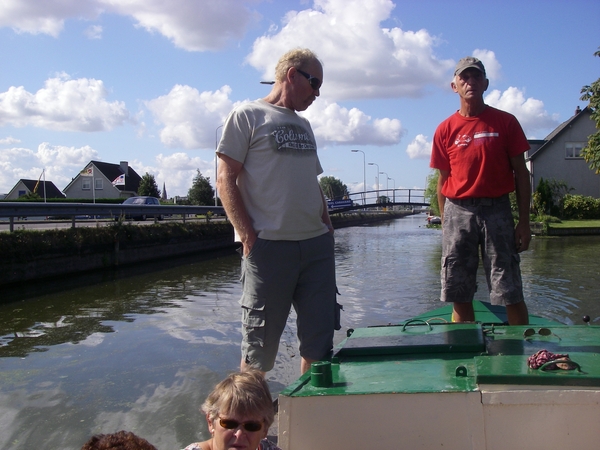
pixel 151 81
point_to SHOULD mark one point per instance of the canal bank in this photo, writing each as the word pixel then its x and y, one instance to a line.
pixel 36 255
pixel 541 229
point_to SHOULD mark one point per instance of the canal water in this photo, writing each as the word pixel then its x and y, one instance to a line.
pixel 140 349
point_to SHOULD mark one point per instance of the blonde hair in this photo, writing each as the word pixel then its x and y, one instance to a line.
pixel 297 58
pixel 242 393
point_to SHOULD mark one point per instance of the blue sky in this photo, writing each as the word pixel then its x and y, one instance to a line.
pixel 150 81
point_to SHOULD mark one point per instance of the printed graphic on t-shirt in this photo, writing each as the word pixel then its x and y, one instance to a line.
pixel 293 139
pixel 462 140
pixel 485 134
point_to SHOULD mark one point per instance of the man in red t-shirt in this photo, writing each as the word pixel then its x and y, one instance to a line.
pixel 479 152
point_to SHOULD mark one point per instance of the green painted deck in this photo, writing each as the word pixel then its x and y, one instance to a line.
pixel 429 355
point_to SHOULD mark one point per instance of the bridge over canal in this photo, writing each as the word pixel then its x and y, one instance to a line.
pixel 382 198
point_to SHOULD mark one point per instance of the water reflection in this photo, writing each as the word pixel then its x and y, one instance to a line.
pixel 140 351
pixel 74 315
pixel 560 278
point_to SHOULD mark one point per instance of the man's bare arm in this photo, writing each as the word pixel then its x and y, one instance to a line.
pixel 441 198
pixel 523 192
pixel 230 195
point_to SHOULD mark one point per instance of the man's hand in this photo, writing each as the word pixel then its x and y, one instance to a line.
pixel 522 236
pixel 248 244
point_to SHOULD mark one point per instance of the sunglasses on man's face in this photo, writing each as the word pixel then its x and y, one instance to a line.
pixel 230 424
pixel 314 82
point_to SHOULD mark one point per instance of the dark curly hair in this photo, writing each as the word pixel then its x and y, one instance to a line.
pixel 121 440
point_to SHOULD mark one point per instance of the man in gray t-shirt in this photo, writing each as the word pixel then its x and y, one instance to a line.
pixel 267 180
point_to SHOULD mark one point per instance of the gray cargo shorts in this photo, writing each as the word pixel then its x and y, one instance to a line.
pixel 486 225
pixel 277 275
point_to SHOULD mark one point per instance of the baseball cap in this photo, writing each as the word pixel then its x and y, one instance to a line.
pixel 467 63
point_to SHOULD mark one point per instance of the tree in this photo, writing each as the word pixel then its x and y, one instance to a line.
pixel 31 196
pixel 148 186
pixel 201 193
pixel 548 198
pixel 591 153
pixel 333 188
pixel 431 192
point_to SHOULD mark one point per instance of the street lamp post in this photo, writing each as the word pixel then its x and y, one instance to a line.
pixel 394 190
pixel 364 176
pixel 387 177
pixel 216 162
pixel 377 179
pixel 387 194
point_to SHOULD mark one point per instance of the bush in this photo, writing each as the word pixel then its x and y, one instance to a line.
pixel 24 245
pixel 581 208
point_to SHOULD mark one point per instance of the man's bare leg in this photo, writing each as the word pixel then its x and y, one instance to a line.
pixel 305 364
pixel 463 312
pixel 517 314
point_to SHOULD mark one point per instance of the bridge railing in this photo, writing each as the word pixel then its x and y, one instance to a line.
pixel 385 197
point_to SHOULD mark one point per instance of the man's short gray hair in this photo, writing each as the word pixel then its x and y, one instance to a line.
pixel 297 58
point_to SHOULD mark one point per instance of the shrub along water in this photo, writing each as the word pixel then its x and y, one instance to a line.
pixel 25 245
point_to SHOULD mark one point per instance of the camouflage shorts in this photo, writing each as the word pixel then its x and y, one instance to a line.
pixel 486 225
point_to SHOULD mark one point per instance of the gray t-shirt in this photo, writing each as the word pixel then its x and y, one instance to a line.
pixel 278 183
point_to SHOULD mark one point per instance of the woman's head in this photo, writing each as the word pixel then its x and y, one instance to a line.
pixel 241 394
pixel 239 411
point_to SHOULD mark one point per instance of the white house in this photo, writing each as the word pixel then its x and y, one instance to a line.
pixel 104 180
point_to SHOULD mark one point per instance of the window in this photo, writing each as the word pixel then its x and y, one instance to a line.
pixel 573 149
pixel 22 193
pixel 98 183
pixel 86 183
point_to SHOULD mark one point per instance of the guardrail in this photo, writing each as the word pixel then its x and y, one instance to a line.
pixel 12 210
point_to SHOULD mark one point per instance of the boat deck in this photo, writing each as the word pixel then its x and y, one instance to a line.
pixel 428 367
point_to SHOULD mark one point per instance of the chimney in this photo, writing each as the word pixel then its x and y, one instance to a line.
pixel 578 110
pixel 124 167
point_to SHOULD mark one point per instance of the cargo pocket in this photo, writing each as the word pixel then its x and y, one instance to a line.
pixel 253 319
pixel 338 316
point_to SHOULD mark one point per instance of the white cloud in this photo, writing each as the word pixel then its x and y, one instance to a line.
pixel 177 171
pixel 190 117
pixel 419 148
pixel 62 163
pixel 190 24
pixel 492 66
pixel 45 17
pixel 335 124
pixel 93 32
pixel 530 112
pixel 63 104
pixel 361 59
pixel 9 141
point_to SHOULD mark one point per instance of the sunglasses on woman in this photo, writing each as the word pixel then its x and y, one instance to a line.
pixel 230 424
pixel 314 82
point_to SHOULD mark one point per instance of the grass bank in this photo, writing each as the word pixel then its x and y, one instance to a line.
pixel 576 224
pixel 566 228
